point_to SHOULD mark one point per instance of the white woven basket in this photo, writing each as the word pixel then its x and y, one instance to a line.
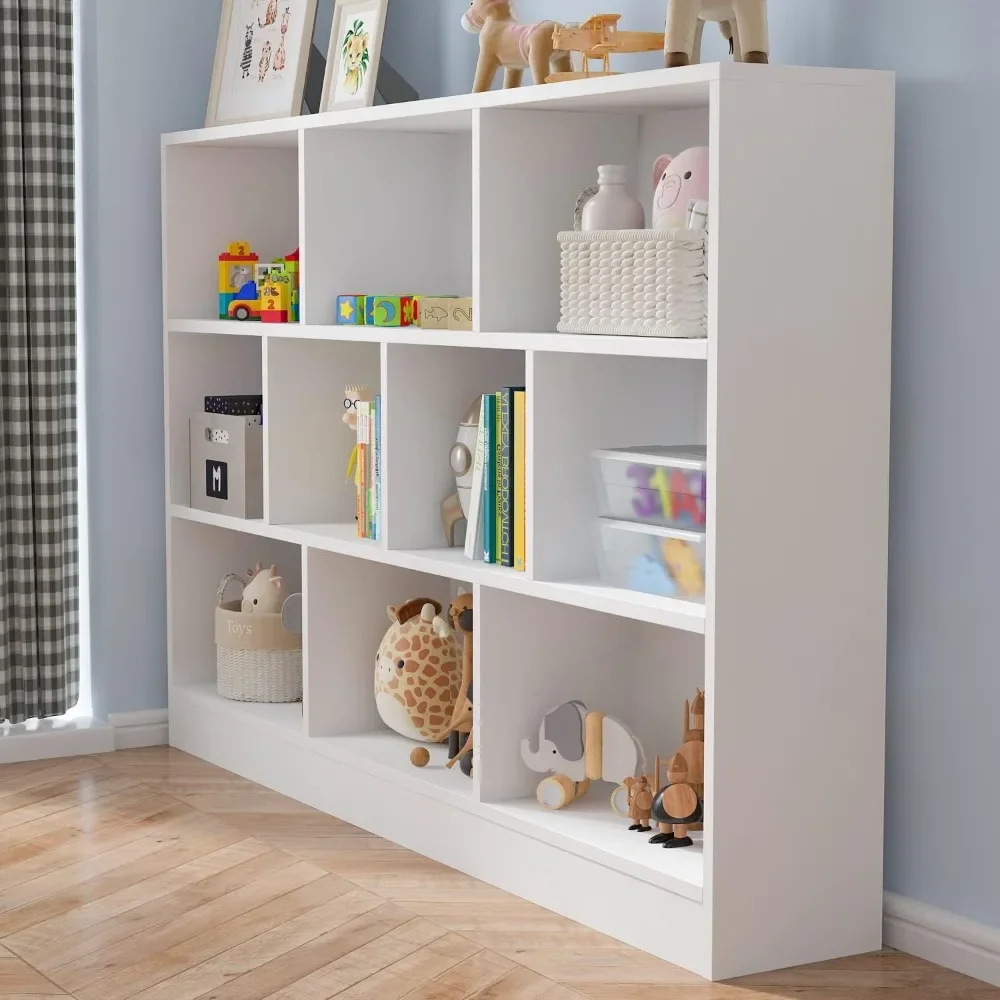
pixel 638 282
pixel 257 657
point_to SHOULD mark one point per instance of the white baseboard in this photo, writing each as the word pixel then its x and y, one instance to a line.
pixel 942 937
pixel 54 738
pixel 139 729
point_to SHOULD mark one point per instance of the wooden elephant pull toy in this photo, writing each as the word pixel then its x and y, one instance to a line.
pixel 580 747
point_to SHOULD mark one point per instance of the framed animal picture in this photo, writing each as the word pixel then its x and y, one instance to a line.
pixel 353 58
pixel 261 59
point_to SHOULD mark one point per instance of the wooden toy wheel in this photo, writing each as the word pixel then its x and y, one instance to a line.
pixel 559 791
pixel 619 801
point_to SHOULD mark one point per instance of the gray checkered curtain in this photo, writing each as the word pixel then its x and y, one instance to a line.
pixel 39 643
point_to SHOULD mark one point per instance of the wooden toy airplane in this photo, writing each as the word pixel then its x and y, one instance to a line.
pixel 597 38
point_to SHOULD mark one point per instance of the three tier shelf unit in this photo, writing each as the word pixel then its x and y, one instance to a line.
pixel 790 393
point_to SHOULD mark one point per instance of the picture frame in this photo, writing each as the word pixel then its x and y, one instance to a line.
pixel 260 60
pixel 353 57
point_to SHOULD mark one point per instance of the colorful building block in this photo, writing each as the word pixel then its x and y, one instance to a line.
pixel 370 310
pixel 392 310
pixel 237 267
pixel 350 310
pixel 276 298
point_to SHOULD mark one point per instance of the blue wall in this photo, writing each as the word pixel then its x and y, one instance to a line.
pixel 944 683
pixel 136 86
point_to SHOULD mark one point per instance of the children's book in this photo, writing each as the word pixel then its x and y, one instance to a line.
pixel 519 479
pixel 474 529
pixel 489 478
pixel 505 497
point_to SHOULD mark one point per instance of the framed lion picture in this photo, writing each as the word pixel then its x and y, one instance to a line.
pixel 261 60
pixel 353 57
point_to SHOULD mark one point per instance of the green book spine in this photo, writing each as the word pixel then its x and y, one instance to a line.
pixel 489 479
pixel 505 491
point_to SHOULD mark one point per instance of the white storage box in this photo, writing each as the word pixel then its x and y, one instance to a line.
pixel 652 559
pixel 639 282
pixel 658 484
pixel 227 464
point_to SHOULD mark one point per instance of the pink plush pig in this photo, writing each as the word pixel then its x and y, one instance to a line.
pixel 678 181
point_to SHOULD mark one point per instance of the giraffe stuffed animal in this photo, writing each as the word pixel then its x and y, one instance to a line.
pixel 516 47
pixel 418 672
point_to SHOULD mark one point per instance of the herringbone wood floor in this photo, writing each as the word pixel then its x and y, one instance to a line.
pixel 150 874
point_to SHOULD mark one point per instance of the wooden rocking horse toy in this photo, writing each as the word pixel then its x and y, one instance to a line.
pixel 514 46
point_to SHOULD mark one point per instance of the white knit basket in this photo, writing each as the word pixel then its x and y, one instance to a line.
pixel 637 282
pixel 257 657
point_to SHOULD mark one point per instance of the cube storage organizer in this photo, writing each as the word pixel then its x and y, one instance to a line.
pixel 637 282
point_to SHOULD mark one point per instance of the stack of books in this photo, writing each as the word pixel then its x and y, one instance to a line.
pixel 369 472
pixel 496 526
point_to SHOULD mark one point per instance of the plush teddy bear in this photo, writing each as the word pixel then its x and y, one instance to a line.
pixel 678 181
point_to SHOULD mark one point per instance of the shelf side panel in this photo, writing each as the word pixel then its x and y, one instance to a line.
pixel 800 316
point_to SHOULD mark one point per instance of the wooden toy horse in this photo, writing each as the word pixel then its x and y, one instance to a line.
pixel 516 47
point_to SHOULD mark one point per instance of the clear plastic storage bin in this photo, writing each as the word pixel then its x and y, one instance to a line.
pixel 654 560
pixel 659 484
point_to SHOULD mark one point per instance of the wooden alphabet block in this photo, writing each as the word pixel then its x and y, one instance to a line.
pixel 434 311
pixel 460 314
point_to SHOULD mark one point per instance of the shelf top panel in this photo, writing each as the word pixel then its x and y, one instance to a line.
pixel 452 564
pixel 557 343
pixel 683 87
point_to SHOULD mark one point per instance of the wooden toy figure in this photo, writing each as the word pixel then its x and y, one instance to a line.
pixel 597 38
pixel 676 806
pixel 692 753
pixel 516 47
pixel 640 803
pixel 460 745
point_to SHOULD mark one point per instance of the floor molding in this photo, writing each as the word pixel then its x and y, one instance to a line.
pixel 139 729
pixel 50 738
pixel 942 937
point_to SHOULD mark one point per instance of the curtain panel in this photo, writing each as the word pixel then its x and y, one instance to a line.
pixel 39 594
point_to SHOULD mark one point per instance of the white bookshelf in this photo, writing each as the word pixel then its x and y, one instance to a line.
pixel 790 393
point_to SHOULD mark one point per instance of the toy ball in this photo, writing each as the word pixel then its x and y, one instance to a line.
pixel 420 756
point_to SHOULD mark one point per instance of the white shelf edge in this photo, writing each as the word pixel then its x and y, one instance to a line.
pixel 217 327
pixel 252 715
pixel 451 564
pixel 564 343
pixel 690 86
